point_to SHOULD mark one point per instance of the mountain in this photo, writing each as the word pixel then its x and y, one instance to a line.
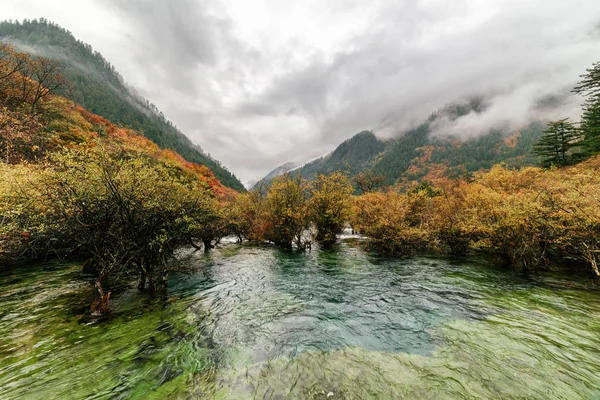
pixel 426 153
pixel 353 155
pixel 282 169
pixel 99 88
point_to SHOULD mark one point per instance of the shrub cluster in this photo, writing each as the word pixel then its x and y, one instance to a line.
pixel 293 211
pixel 125 213
pixel 527 215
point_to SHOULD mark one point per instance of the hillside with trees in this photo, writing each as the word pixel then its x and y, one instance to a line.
pixel 100 89
pixel 74 185
pixel 422 154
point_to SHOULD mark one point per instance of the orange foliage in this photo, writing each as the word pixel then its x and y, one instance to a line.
pixel 132 141
pixel 527 215
pixel 27 79
pixel 512 140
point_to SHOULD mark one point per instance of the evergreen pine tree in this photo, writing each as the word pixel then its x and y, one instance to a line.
pixel 555 147
pixel 590 126
pixel 589 87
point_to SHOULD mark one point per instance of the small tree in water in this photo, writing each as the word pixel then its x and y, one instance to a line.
pixel 287 211
pixel 127 213
pixel 330 206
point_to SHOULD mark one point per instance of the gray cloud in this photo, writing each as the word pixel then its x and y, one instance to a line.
pixel 258 84
pixel 170 40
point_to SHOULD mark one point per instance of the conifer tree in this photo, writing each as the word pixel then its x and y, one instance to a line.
pixel 555 147
pixel 589 88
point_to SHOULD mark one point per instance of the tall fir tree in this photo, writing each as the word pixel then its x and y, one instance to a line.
pixel 557 144
pixel 589 88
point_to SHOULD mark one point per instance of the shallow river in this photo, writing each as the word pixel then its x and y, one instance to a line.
pixel 258 322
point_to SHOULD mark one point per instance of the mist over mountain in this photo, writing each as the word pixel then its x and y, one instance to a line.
pixel 282 169
pixel 433 149
pixel 98 87
pixel 258 84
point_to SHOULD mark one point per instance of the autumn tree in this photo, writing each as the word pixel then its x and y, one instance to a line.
pixel 446 217
pixel 556 146
pixel 384 219
pixel 573 195
pixel 367 181
pixel 330 206
pixel 45 79
pixel 28 228
pixel 207 222
pixel 248 215
pixel 507 213
pixel 11 63
pixel 287 211
pixel 127 213
pixel 26 78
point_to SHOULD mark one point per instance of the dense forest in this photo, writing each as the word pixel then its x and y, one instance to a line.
pixel 98 87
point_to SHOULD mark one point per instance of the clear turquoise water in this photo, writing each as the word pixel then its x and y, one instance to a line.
pixel 258 322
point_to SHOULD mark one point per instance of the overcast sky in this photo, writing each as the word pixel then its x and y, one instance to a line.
pixel 259 83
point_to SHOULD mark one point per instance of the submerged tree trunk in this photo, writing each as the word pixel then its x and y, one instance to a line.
pixel 592 259
pixel 207 244
pixel 143 276
pixel 142 282
pixel 194 245
pixel 100 304
pixel 595 267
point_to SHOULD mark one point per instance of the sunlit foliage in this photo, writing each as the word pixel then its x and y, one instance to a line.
pixel 528 216
pixel 27 79
pixel 388 221
pixel 72 184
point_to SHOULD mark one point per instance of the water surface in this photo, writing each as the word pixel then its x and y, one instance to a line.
pixel 258 322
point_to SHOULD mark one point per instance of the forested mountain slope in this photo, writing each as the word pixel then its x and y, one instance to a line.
pixel 425 152
pixel 99 88
pixel 352 156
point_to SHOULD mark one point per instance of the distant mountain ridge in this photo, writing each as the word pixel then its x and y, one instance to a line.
pixel 282 169
pixel 352 156
pixel 99 88
pixel 418 154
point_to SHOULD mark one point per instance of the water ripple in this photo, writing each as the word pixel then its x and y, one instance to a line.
pixel 259 322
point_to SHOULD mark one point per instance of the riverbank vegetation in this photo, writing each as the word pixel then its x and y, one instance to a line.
pixel 96 85
pixel 294 212
pixel 527 216
pixel 72 184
